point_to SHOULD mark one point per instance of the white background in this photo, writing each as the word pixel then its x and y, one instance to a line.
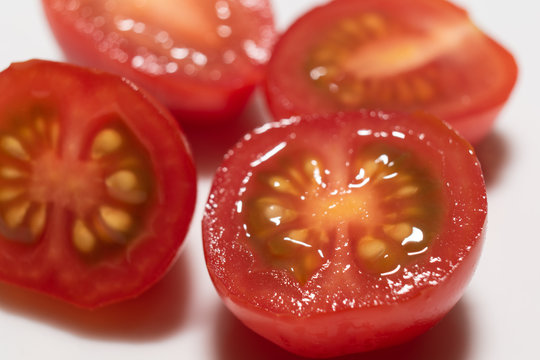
pixel 182 317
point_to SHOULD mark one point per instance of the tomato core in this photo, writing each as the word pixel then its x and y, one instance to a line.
pixel 381 201
pixel 106 190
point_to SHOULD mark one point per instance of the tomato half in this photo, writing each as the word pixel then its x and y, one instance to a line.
pixel 394 55
pixel 343 233
pixel 97 184
pixel 202 58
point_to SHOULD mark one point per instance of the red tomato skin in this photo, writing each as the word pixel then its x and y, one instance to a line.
pixel 89 95
pixel 348 332
pixel 190 101
pixel 317 330
pixel 473 122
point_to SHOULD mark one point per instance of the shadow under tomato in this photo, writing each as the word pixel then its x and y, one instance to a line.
pixel 448 340
pixel 158 312
pixel 210 142
pixel 493 153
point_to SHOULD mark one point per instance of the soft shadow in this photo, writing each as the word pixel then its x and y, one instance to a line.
pixel 448 340
pixel 210 142
pixel 493 153
pixel 155 314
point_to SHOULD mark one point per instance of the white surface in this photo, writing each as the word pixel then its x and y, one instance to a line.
pixel 182 317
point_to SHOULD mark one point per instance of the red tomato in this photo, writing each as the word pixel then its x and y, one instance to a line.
pixel 345 233
pixel 97 184
pixel 395 55
pixel 202 58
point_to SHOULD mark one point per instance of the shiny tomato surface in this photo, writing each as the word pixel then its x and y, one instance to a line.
pixel 394 55
pixel 97 184
pixel 336 234
pixel 202 58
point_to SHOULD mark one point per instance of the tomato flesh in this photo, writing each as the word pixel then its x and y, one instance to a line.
pixel 425 55
pixel 82 186
pixel 342 233
pixel 202 58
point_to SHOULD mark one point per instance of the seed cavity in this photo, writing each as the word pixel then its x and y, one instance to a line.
pixel 106 142
pixel 13 147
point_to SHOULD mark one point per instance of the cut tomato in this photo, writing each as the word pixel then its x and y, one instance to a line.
pixel 97 184
pixel 394 55
pixel 202 58
pixel 336 234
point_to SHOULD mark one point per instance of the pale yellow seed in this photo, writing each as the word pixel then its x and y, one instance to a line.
pixel 283 185
pixel 123 185
pixel 14 147
pixel 83 239
pixel 106 142
pixel 37 221
pixel 371 248
pixel 278 214
pixel 313 170
pixel 406 191
pixel 398 231
pixel 14 216
pixel 116 219
pixel 298 235
pixel 123 180
pixel 7 194
pixel 370 168
pixel 11 173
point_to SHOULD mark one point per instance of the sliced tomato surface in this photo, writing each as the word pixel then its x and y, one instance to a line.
pixel 202 58
pixel 393 55
pixel 97 184
pixel 342 233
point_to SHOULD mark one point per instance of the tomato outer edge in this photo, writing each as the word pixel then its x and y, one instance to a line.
pixel 233 97
pixel 165 182
pixel 405 320
pixel 474 124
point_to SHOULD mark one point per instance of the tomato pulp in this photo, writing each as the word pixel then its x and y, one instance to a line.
pixel 336 234
pixel 202 58
pixel 394 55
pixel 97 184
